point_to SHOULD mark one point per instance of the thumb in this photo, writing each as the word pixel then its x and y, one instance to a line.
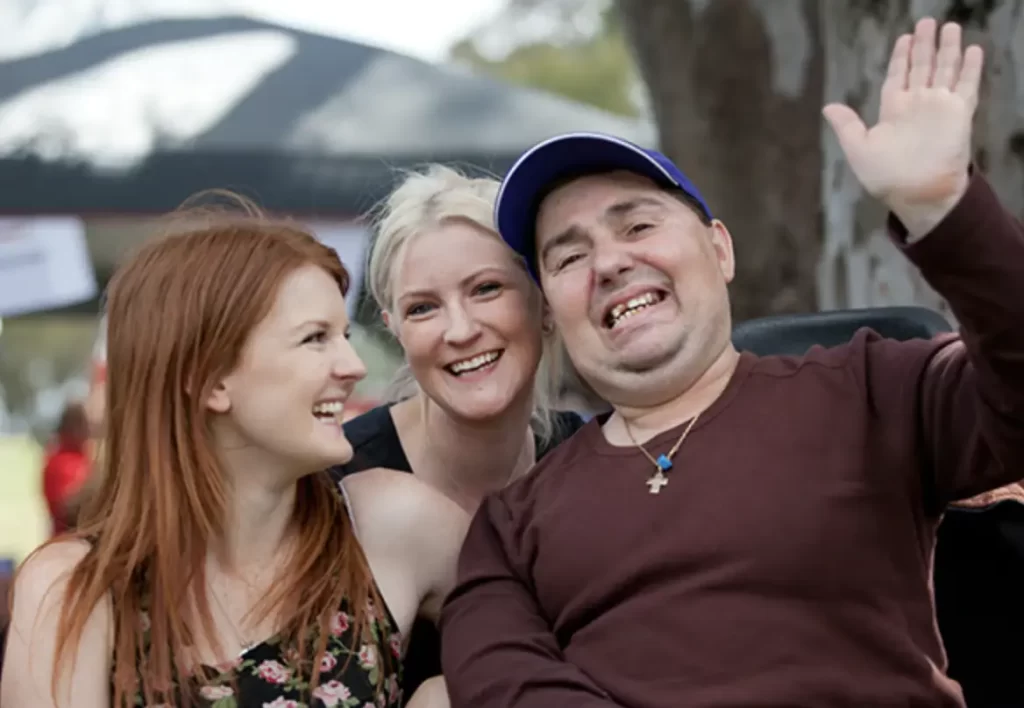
pixel 846 124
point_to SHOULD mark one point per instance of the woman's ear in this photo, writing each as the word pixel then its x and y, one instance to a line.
pixel 547 322
pixel 386 317
pixel 219 401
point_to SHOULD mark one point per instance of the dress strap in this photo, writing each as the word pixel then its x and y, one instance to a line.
pixel 348 506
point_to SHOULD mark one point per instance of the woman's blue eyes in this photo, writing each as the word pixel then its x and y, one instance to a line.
pixel 422 308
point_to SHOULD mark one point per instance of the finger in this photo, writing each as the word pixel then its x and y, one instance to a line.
pixel 899 64
pixel 896 77
pixel 969 82
pixel 846 124
pixel 922 55
pixel 947 61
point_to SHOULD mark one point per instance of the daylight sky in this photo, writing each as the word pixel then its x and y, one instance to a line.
pixel 420 28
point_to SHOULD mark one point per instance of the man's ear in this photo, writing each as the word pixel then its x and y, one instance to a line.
pixel 721 241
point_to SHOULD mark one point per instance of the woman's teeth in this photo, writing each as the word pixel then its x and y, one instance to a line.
pixel 477 362
pixel 330 410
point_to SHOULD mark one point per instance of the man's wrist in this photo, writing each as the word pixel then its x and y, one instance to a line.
pixel 920 216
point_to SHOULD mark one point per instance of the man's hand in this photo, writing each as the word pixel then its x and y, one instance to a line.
pixel 916 158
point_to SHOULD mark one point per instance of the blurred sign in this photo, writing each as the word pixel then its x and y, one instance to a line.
pixel 44 264
pixel 350 242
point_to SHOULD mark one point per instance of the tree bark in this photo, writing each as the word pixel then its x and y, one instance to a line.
pixel 859 265
pixel 736 90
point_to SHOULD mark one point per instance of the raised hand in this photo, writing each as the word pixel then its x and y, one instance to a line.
pixel 917 155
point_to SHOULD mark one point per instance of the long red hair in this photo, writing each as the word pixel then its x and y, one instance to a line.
pixel 179 312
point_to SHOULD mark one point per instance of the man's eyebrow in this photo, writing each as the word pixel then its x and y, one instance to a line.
pixel 621 209
pixel 573 234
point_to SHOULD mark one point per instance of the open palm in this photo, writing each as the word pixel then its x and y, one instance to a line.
pixel 920 149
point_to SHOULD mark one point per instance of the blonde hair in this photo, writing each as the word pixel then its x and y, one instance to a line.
pixel 425 200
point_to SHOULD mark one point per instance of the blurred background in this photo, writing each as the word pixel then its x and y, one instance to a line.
pixel 115 111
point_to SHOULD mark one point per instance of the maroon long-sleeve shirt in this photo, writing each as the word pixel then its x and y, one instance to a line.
pixel 787 564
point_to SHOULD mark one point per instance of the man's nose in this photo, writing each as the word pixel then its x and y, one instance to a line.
pixel 611 262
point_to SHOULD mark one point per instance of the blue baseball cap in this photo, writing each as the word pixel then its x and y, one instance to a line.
pixel 565 157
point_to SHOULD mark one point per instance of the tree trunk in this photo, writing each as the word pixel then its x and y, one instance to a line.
pixel 859 265
pixel 736 89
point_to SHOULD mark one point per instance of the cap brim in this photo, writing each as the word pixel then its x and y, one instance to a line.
pixel 552 161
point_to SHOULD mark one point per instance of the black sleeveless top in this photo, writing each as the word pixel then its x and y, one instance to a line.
pixel 375 443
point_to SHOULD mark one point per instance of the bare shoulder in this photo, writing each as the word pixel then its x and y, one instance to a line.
pixel 39 586
pixel 47 569
pixel 387 503
pixel 38 598
pixel 395 492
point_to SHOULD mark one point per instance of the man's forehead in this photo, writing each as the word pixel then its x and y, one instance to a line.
pixel 597 196
pixel 592 195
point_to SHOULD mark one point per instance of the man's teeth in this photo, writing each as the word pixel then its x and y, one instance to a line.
pixel 477 362
pixel 627 309
pixel 329 409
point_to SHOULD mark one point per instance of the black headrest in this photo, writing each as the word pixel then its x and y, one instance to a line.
pixel 795 334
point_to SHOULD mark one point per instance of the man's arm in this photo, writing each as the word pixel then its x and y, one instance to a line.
pixel 972 393
pixel 497 649
pixel 916 159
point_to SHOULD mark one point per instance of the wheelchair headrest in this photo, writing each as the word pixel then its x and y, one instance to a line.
pixel 795 334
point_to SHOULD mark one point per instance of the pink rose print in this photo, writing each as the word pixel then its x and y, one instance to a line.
pixel 332 693
pixel 281 703
pixel 274 672
pixel 214 693
pixel 393 689
pixel 327 662
pixel 144 621
pixel 339 624
pixel 368 656
pixel 395 642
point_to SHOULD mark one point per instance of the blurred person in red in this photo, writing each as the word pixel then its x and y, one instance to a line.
pixel 67 466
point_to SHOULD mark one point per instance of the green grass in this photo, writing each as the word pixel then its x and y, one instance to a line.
pixel 24 521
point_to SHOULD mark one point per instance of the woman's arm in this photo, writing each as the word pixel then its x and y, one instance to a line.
pixel 434 545
pixel 32 639
pixel 432 693
pixel 411 534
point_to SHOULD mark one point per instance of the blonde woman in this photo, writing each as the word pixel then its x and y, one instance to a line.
pixel 473 409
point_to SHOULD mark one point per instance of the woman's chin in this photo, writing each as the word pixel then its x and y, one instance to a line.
pixel 482 410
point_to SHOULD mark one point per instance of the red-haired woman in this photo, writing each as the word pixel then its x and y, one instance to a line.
pixel 217 565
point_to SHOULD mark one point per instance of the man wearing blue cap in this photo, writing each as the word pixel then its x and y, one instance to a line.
pixel 745 531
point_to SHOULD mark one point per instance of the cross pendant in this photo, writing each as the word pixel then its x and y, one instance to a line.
pixel 656 482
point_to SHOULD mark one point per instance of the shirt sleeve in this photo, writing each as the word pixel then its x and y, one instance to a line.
pixel 497 648
pixel 971 394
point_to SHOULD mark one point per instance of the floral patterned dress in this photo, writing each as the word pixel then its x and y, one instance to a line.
pixel 268 674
